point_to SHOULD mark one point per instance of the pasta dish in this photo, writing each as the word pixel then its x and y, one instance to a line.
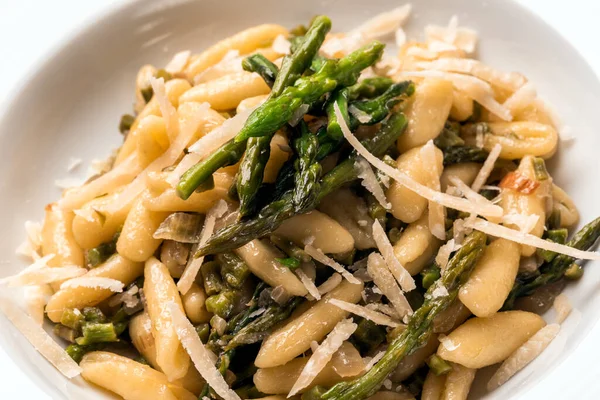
pixel 294 213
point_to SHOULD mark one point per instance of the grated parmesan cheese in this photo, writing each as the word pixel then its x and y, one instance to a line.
pixel 448 343
pixel 369 182
pixel 374 361
pixel 95 282
pixel 385 281
pixel 68 183
pixel 229 64
pixel 39 339
pixel 168 112
pixel 563 307
pixel 191 270
pixel 383 24
pixel 36 298
pixel 323 354
pixel 298 114
pixel 361 311
pixel 39 274
pixel 331 283
pixel 524 222
pixel 309 284
pixel 528 239
pixel 407 283
pixel 521 99
pixel 463 38
pixel 523 355
pixel 486 169
pixel 200 355
pixel 400 37
pixel 408 182
pixel 443 255
pixel 439 291
pixel 323 259
pixel 281 45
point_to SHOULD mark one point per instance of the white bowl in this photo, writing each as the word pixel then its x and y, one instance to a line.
pixel 71 107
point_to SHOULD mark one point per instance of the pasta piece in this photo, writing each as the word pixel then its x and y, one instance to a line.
pixel 331 283
pixel 427 112
pixel 244 42
pixel 295 337
pixel 523 355
pixel 408 205
pixel 201 357
pixel 140 331
pixel 94 225
pixel 437 212
pixel 160 291
pixel 416 246
pixel 309 284
pixel 129 379
pixel 57 238
pixel 116 267
pixel 561 202
pixel 279 380
pixel 433 387
pixel 458 383
pixel 319 229
pixel 518 139
pixel 451 317
pixel 261 260
pixel 136 241
pixel 361 311
pixel 409 364
pixel 481 342
pixel 152 139
pixel 462 106
pixel 178 62
pixel 406 282
pixel 228 91
pixel 387 284
pixel 351 212
pixel 194 305
pixel 492 278
pixel 113 285
pixel 323 354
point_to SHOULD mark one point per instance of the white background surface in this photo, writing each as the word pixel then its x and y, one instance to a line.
pixel 31 29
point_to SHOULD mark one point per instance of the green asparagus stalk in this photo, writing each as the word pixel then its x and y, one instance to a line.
pixel 553 271
pixel 222 303
pixel 308 172
pixel 430 275
pixel 262 66
pixel 289 248
pixel 76 352
pixel 275 112
pixel 462 154
pixel 556 236
pixel 272 215
pixel 339 97
pixel 233 269
pixel 295 64
pixel 101 253
pixel 251 333
pixel 420 326
pixel 250 175
pixel 72 318
pixel 376 210
pixel 97 333
pixel 438 365
pixel 94 314
pixel 125 123
pixel 211 277
pixel 368 335
pixel 228 154
pixel 289 262
pixel 378 108
pixel 369 87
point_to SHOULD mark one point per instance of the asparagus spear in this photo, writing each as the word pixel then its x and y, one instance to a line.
pixel 554 270
pixel 222 303
pixel 419 327
pixel 262 66
pixel 289 248
pixel 308 172
pixel 369 87
pixel 461 154
pixel 339 97
pixel 211 277
pixel 259 328
pixel 275 112
pixel 272 215
pixel 233 269
pixel 250 175
pixel 378 108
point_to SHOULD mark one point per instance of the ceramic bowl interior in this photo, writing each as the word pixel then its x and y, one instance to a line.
pixel 71 108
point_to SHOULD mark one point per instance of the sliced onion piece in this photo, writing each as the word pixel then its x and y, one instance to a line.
pixel 180 227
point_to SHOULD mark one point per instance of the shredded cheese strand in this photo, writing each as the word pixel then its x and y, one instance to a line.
pixel 361 311
pixel 385 281
pixel 318 255
pixel 422 190
pixel 528 239
pixel 486 169
pixel 96 282
pixel 387 250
